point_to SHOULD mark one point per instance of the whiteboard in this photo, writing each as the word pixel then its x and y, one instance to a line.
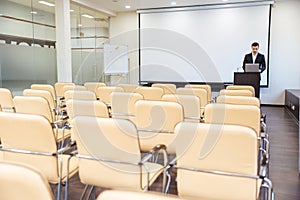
pixel 115 59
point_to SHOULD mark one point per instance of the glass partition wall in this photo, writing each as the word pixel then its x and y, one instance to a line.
pixel 89 30
pixel 27 44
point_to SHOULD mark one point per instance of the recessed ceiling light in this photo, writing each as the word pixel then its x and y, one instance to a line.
pixel 71 10
pixel 87 16
pixel 173 3
pixel 79 25
pixel 46 3
pixel 33 12
pixel 127 7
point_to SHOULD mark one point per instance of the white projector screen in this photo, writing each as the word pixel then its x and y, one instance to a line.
pixel 206 45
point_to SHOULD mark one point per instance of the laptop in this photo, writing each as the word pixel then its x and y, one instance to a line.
pixel 251 67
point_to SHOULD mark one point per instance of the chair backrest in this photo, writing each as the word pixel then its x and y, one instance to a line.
pixel 222 148
pixel 33 105
pixel 74 88
pixel 46 87
pixel 190 103
pixel 92 86
pixel 241 87
pixel 59 88
pixel 246 93
pixel 29 183
pixel 80 95
pixel 41 93
pixel 130 195
pixel 103 93
pixel 168 88
pixel 6 100
pixel 110 139
pixel 243 115
pixel 150 93
pixel 31 133
pixel 206 87
pixel 239 100
pixel 86 108
pixel 123 104
pixel 128 87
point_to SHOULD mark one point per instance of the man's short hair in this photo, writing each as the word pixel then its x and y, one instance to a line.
pixel 255 44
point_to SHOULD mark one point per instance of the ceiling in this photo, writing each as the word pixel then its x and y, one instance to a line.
pixel 111 7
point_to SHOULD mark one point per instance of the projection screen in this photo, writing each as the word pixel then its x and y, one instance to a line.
pixel 201 45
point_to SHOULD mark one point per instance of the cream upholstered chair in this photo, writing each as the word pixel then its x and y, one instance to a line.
pixel 155 121
pixel 46 95
pixel 242 87
pixel 59 88
pixel 103 93
pixel 92 86
pixel 150 93
pixel 130 195
pixel 168 88
pixel 29 139
pixel 80 95
pixel 190 103
pixel 109 154
pixel 199 92
pixel 128 87
pixel 201 86
pixel 46 87
pixel 6 100
pixel 19 181
pixel 40 106
pixel 74 87
pixel 123 104
pixel 218 162
pixel 246 93
pixel 238 100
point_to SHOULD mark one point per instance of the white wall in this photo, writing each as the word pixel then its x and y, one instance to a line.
pixel 284 48
pixel 284 51
pixel 123 29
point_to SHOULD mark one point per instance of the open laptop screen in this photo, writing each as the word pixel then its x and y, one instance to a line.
pixel 251 67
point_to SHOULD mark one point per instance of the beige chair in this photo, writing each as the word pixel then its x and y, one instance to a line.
pixel 242 87
pixel 129 195
pixel 168 88
pixel 92 86
pixel 246 93
pixel 206 87
pixel 46 95
pixel 156 121
pixel 123 104
pixel 80 95
pixel 199 92
pixel 18 181
pixel 29 139
pixel 238 100
pixel 150 93
pixel 59 88
pixel 74 88
pixel 40 106
pixel 103 93
pixel 190 103
pixel 218 162
pixel 109 154
pixel 6 100
pixel 46 87
pixel 128 87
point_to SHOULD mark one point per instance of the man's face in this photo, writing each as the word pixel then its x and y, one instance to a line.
pixel 255 49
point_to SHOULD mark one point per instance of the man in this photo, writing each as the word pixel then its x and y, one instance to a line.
pixel 255 57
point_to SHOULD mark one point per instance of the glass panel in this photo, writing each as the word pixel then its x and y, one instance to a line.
pixel 89 30
pixel 27 44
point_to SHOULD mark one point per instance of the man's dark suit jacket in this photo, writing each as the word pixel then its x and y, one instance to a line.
pixel 260 59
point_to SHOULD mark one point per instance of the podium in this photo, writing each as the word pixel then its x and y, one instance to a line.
pixel 248 78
